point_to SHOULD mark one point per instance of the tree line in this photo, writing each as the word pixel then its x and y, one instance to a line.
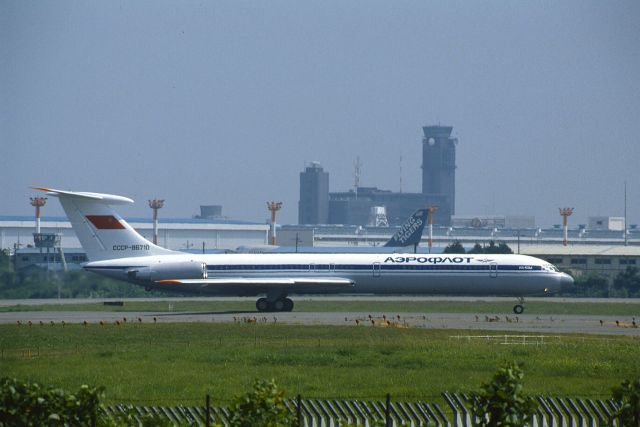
pixel 490 248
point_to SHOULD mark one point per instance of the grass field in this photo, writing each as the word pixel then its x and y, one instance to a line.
pixel 537 306
pixel 165 364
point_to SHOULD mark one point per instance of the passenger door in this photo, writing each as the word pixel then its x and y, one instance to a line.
pixel 493 269
pixel 376 269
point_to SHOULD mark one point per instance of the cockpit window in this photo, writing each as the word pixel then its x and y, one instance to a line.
pixel 551 267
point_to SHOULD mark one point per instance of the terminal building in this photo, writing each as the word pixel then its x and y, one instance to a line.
pixel 318 205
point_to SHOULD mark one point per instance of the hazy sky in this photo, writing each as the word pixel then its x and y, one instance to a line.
pixel 224 102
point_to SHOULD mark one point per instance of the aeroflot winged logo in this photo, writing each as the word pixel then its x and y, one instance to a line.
pixel 105 222
pixel 411 231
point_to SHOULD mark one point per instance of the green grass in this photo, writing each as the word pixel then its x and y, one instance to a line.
pixel 542 307
pixel 181 363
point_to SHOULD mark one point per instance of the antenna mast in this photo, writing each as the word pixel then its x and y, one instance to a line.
pixel 625 213
pixel 401 173
pixel 356 174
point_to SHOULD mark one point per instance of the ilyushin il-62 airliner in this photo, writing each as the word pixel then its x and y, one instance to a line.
pixel 116 250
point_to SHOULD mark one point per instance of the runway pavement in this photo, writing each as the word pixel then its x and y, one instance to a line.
pixel 548 325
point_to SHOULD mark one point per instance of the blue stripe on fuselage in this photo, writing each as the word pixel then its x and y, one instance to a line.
pixel 366 267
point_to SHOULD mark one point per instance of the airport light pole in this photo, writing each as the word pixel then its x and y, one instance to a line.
pixel 274 207
pixel 38 202
pixel 155 204
pixel 566 213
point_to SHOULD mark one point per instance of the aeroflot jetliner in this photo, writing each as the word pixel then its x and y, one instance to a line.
pixel 116 250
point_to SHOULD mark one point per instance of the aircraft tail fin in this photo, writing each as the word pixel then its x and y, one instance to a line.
pixel 103 234
pixel 411 231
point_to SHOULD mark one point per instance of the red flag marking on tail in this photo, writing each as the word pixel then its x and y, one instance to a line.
pixel 105 222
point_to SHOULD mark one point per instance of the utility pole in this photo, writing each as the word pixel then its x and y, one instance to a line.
pixel 430 211
pixel 518 236
pixel 357 166
pixel 566 213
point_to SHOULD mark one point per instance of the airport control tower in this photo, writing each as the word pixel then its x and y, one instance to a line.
pixel 439 164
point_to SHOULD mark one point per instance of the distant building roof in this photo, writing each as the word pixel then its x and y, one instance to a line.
pixel 583 250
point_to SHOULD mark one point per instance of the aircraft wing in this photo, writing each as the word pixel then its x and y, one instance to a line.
pixel 291 282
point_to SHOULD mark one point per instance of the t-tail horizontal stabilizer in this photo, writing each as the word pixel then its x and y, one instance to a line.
pixel 411 231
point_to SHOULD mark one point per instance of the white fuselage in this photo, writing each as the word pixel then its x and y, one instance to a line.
pixel 466 274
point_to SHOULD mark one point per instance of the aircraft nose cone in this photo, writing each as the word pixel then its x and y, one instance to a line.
pixel 566 282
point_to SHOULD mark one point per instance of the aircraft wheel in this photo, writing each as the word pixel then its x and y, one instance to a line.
pixel 262 304
pixel 288 304
pixel 518 309
pixel 279 305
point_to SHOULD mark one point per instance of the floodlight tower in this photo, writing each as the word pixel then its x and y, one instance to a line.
pixel 566 213
pixel 38 202
pixel 430 211
pixel 155 204
pixel 274 207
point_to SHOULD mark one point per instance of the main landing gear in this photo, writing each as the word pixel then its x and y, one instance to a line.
pixel 519 308
pixel 279 304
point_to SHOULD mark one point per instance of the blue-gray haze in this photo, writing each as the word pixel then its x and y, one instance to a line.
pixel 224 102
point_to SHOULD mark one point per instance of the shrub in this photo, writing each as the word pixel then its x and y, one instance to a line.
pixel 261 407
pixel 29 404
pixel 502 403
pixel 627 396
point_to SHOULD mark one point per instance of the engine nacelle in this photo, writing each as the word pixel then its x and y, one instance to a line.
pixel 169 271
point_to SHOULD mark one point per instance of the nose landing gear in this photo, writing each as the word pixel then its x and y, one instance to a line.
pixel 519 308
